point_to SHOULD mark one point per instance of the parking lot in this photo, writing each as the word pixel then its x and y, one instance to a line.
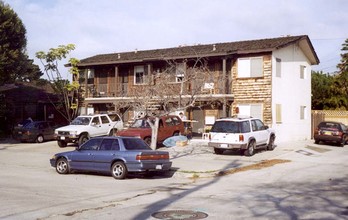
pixel 306 181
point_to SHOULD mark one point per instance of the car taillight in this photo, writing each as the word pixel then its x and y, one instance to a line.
pixel 241 138
pixel 152 157
pixel 27 132
pixel 316 131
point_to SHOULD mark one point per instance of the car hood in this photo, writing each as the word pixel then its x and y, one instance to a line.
pixel 66 154
pixel 71 128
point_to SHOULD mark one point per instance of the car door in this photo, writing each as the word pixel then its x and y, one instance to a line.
pixel 259 132
pixel 163 130
pixel 109 149
pixel 82 158
pixel 96 127
pixel 105 125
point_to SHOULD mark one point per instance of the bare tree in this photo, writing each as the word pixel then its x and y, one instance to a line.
pixel 175 88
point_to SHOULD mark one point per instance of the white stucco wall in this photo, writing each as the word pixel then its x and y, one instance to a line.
pixel 291 92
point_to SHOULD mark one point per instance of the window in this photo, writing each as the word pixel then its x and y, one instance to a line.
pixel 257 125
pixel 180 72
pixel 253 110
pixel 110 144
pixel 92 144
pixel 90 76
pixel 104 119
pixel 139 75
pixel 250 67
pixel 303 72
pixel 278 67
pixel 95 121
pixel 278 113
pixel 303 112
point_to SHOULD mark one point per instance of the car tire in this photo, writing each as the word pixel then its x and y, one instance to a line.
pixel 316 141
pixel 218 151
pixel 83 138
pixel 39 138
pixel 62 166
pixel 148 140
pixel 112 132
pixel 271 145
pixel 119 170
pixel 251 149
pixel 62 144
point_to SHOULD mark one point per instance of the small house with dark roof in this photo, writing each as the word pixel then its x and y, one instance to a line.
pixel 267 78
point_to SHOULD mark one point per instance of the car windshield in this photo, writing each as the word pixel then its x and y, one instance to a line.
pixel 231 127
pixel 31 125
pixel 140 123
pixel 330 126
pixel 135 144
pixel 81 121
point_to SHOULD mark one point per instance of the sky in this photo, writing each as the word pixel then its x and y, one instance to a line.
pixel 110 26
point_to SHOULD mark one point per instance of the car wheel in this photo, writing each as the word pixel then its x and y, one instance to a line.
pixel 316 141
pixel 148 140
pixel 119 170
pixel 176 133
pixel 62 143
pixel 218 151
pixel 112 132
pixel 83 138
pixel 39 139
pixel 271 145
pixel 62 166
pixel 251 149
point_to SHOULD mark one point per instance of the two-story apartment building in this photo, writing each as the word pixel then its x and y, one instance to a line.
pixel 267 78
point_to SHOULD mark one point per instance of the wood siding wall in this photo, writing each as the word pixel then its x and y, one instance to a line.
pixel 254 90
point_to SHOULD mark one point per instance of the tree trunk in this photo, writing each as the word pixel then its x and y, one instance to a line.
pixel 154 133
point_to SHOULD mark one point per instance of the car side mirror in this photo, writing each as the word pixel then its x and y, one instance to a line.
pixel 265 127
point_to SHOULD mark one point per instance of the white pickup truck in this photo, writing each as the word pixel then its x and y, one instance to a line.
pixel 84 127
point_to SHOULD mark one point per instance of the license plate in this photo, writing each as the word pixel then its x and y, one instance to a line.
pixel 327 133
pixel 158 167
pixel 223 145
pixel 62 138
pixel 19 132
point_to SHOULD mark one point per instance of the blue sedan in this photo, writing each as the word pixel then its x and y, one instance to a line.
pixel 115 155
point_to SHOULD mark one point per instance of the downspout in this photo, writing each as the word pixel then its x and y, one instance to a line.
pixel 224 105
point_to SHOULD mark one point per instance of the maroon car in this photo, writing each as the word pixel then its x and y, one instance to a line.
pixel 330 131
pixel 169 125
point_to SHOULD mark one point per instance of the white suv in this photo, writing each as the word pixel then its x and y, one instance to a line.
pixel 244 133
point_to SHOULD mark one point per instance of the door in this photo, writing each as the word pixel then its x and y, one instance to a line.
pixel 260 132
pixel 82 159
pixel 96 127
pixel 105 125
pixel 109 149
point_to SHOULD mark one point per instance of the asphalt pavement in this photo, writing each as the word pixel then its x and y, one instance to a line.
pixel 196 159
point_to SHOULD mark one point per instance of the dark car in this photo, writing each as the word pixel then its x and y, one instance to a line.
pixel 112 155
pixel 36 131
pixel 169 125
pixel 329 131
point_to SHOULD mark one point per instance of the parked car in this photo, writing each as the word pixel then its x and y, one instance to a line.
pixel 243 133
pixel 36 131
pixel 330 131
pixel 84 127
pixel 169 125
pixel 117 156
